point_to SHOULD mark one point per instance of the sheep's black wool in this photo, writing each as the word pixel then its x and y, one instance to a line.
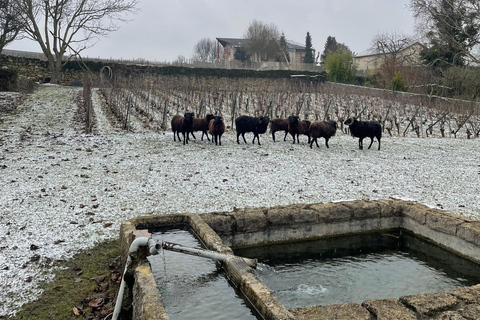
pixel 251 124
pixel 363 129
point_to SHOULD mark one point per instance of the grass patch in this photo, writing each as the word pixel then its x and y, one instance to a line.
pixel 85 289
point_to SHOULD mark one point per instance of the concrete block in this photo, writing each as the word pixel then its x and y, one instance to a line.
pixel 416 212
pixel 332 212
pixel 220 222
pixel 389 309
pixel 250 220
pixel 443 221
pixel 468 294
pixel 147 302
pixel 469 231
pixel 363 209
pixel 430 303
pixel 351 311
pixel 292 214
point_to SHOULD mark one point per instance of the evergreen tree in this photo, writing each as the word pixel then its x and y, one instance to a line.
pixel 397 83
pixel 330 46
pixel 451 27
pixel 308 58
pixel 241 55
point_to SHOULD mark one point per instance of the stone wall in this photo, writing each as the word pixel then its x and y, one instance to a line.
pixel 36 70
pixel 246 227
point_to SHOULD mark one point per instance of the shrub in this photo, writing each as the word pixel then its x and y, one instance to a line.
pixel 8 80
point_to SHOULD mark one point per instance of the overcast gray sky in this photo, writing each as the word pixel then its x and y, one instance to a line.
pixel 164 29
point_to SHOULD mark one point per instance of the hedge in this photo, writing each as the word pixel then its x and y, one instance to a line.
pixel 8 79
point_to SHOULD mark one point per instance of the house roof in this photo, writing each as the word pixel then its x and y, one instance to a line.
pixel 370 53
pixel 238 42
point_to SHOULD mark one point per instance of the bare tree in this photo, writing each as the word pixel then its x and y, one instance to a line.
pixel 262 40
pixel 205 50
pixel 451 26
pixel 396 51
pixel 391 44
pixel 10 26
pixel 65 25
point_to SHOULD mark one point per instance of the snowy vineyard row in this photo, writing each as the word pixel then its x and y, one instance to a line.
pixel 156 100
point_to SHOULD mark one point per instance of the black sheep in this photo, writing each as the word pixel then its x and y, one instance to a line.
pixel 251 124
pixel 216 127
pixel 182 124
pixel 279 125
pixel 322 129
pixel 297 127
pixel 363 129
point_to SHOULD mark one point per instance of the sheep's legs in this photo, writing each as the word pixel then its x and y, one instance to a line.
pixel 255 135
pixel 326 142
pixel 174 138
pixel 273 136
pixel 205 133
pixel 293 136
pixel 360 143
pixel 371 142
pixel 285 138
pixel 185 138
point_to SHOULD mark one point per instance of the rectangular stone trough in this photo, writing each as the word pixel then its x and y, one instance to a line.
pixel 222 231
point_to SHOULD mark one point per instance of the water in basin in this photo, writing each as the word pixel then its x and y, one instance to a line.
pixel 357 268
pixel 193 287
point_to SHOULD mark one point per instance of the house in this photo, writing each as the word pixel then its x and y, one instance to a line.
pixel 296 51
pixel 409 56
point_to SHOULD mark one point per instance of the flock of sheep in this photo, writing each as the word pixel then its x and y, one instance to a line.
pixel 214 125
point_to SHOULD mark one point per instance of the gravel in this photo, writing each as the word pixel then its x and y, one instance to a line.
pixel 64 191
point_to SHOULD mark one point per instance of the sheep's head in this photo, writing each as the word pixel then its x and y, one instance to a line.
pixel 188 116
pixel 217 120
pixel 350 121
pixel 333 124
pixel 263 120
pixel 293 120
pixel 209 117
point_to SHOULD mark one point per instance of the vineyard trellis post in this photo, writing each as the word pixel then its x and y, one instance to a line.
pixel 127 116
pixel 326 111
pixel 270 110
pixel 201 108
pixel 164 116
pixel 234 110
pixel 386 116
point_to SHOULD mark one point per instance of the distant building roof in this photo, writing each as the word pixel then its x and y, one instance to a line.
pixel 237 42
pixel 370 52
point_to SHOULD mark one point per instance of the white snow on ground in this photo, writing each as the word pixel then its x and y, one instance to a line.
pixel 63 192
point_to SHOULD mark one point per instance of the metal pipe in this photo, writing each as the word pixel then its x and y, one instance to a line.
pixel 202 253
pixel 134 247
